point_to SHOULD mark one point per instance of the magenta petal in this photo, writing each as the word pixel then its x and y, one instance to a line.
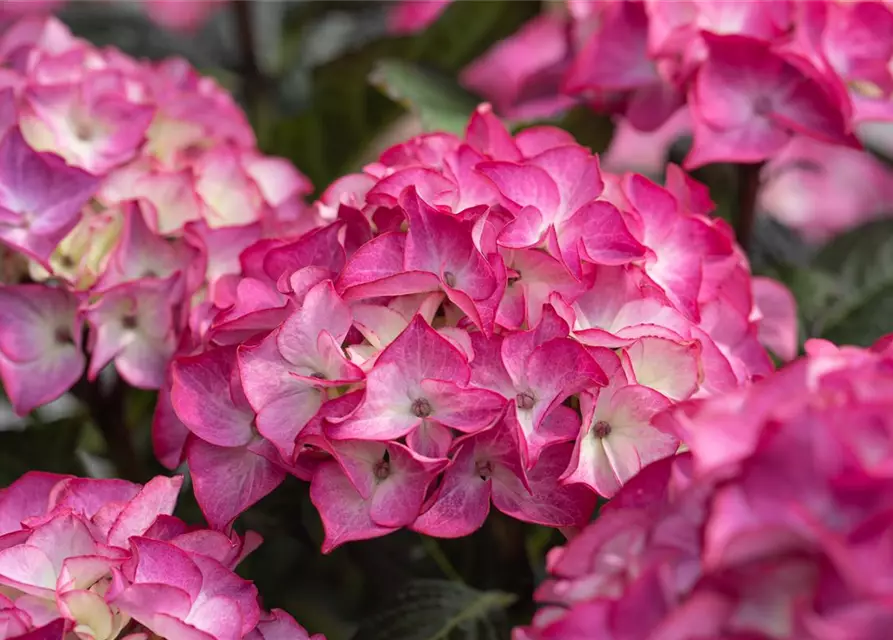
pixel 398 498
pixel 466 410
pixel 157 497
pixel 40 354
pixel 523 186
pixel 381 257
pixel 318 248
pixel 394 397
pixel 604 234
pixel 228 480
pixel 284 404
pixel 438 243
pixel 26 497
pixel 430 439
pixel 40 188
pixel 161 563
pixel 169 434
pixel 461 503
pixel 778 322
pixel 55 630
pixel 344 512
pixel 547 502
pixel 201 396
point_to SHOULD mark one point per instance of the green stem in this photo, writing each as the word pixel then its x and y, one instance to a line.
pixel 254 83
pixel 107 411
pixel 440 559
pixel 748 189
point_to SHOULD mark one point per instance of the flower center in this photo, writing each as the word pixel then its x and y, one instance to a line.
pixel 63 336
pixel 317 375
pixel 382 468
pixel 525 401
pixel 129 321
pixel 83 131
pixel 602 429
pixel 484 468
pixel 450 278
pixel 421 408
pixel 762 106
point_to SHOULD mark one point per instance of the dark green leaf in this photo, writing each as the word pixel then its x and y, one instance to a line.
pixel 329 138
pixel 40 447
pixel 437 610
pixel 591 129
pixel 852 286
pixel 773 245
pixel 438 100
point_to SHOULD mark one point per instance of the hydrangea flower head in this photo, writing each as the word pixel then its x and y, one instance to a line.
pixel 475 320
pixel 771 526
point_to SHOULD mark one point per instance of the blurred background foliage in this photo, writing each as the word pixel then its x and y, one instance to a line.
pixel 325 86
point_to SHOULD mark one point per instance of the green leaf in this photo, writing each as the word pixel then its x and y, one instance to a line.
pixel 438 100
pixel 438 610
pixel 40 447
pixel 346 114
pixel 851 286
pixel 774 245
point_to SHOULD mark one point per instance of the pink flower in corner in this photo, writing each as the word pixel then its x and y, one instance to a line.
pixel 421 377
pixel 40 197
pixel 748 101
pixel 40 344
pixel 373 489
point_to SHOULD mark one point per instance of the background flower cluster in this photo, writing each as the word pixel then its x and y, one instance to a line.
pixel 774 525
pixel 791 83
pixel 101 559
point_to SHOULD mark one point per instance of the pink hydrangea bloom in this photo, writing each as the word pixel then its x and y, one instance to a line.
pixel 128 189
pixel 752 75
pixel 773 525
pixel 476 320
pixel 410 16
pixel 102 559
pixel 808 187
pixel 177 15
pixel 521 75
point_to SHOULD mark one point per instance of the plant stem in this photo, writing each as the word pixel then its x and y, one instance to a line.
pixel 107 412
pixel 748 188
pixel 440 559
pixel 253 80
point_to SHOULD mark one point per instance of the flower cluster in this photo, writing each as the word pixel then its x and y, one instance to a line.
pixel 180 15
pixel 127 191
pixel 775 525
pixel 753 75
pixel 780 81
pixel 102 559
pixel 470 321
